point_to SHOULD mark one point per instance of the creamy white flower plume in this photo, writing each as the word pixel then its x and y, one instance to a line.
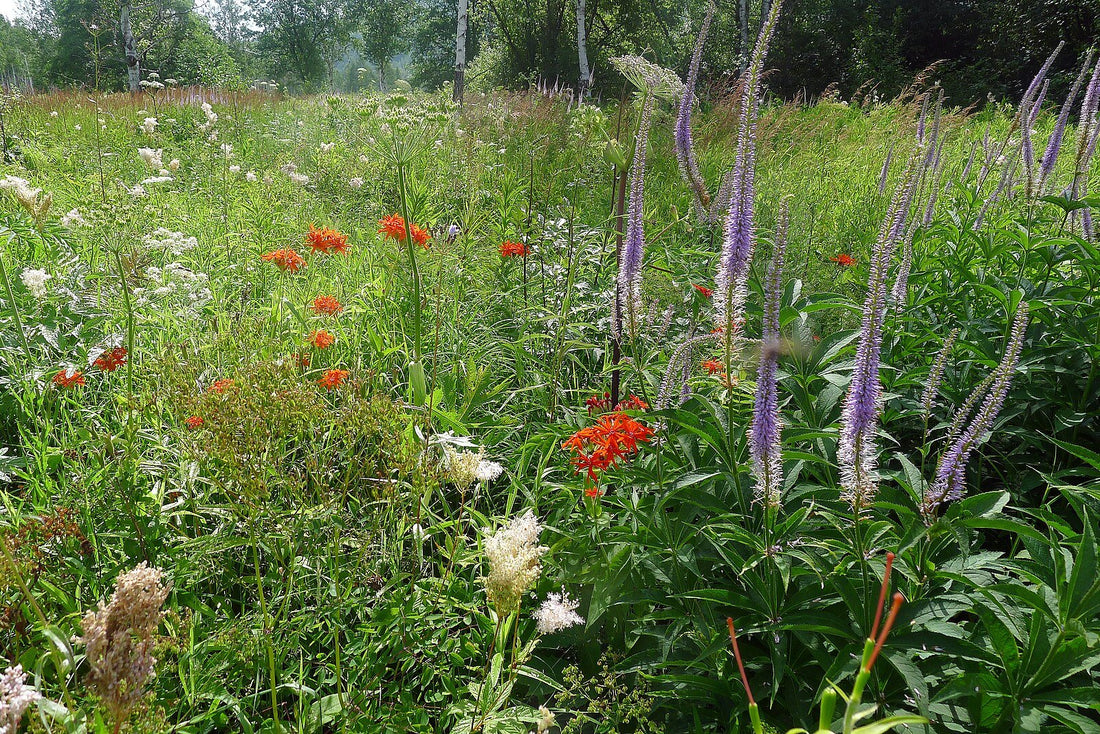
pixel 558 612
pixel 513 552
pixel 35 281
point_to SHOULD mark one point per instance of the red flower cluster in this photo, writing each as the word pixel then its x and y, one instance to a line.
pixel 844 260
pixel 111 359
pixel 302 360
pixel 393 227
pixel 194 422
pixel 711 366
pixel 327 240
pixel 706 292
pixel 321 339
pixel 596 404
pixel 333 379
pixel 601 446
pixel 220 386
pixel 68 378
pixel 287 260
pixel 327 305
pixel 513 249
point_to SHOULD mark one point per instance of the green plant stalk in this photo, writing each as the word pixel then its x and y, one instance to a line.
pixel 129 339
pixel 828 705
pixel 410 248
pixel 856 697
pixel 15 306
pixel 754 714
pixel 10 560
pixel 263 631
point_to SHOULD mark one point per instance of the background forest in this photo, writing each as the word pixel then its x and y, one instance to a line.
pixel 981 47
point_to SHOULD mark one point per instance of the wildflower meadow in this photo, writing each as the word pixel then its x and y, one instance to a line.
pixel 687 409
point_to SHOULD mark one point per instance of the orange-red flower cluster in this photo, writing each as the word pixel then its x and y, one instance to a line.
pixel 68 378
pixel 513 249
pixel 327 240
pixel 612 438
pixel 220 386
pixel 111 359
pixel 706 292
pixel 632 403
pixel 287 260
pixel 711 366
pixel 333 379
pixel 393 227
pixel 597 404
pixel 327 305
pixel 321 339
pixel 844 260
pixel 302 359
pixel 194 422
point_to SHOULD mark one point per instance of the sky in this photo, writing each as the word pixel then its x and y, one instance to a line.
pixel 7 8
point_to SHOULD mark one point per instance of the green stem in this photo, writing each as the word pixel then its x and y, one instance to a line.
pixel 22 584
pixel 414 271
pixel 14 305
pixel 263 630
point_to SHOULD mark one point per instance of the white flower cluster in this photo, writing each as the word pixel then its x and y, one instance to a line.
pixel 513 552
pixel 15 697
pixel 466 467
pixel 149 125
pixel 558 612
pixel 327 147
pixel 35 281
pixel 33 200
pixel 175 281
pixel 175 242
pixel 156 180
pixel 546 720
pixel 152 157
pixel 299 178
pixel 74 219
pixel 356 183
pixel 211 115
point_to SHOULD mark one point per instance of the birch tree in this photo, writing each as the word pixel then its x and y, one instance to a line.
pixel 582 51
pixel 460 49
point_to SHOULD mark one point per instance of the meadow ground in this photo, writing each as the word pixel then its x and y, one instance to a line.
pixel 383 478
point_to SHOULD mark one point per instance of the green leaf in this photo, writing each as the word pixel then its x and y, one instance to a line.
pixel 887 724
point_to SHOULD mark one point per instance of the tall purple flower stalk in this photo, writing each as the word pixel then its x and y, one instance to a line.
pixel 856 452
pixel 685 153
pixel 1054 144
pixel 1088 130
pixel 630 262
pixel 950 480
pixel 935 375
pixel 764 437
pixel 740 230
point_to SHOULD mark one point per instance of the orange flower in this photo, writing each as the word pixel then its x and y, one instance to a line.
pixel 420 236
pixel 220 386
pixel 68 378
pixel 327 240
pixel 302 359
pixel 111 359
pixel 194 422
pixel 326 305
pixel 513 249
pixel 632 403
pixel 601 446
pixel 707 292
pixel 287 260
pixel 332 379
pixel 844 260
pixel 393 227
pixel 711 366
pixel 321 339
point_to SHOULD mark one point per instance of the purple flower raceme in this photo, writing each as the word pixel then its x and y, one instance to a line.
pixel 764 437
pixel 1054 144
pixel 630 261
pixel 856 451
pixel 1088 129
pixel 950 480
pixel 885 169
pixel 740 230
pixel 935 375
pixel 685 153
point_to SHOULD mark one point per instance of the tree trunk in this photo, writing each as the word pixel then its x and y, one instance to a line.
pixel 460 50
pixel 744 22
pixel 582 51
pixel 129 47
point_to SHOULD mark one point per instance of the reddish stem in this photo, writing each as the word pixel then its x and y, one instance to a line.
pixel 882 593
pixel 898 599
pixel 740 665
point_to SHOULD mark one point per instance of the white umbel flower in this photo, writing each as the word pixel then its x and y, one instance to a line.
pixel 513 552
pixel 558 612
pixel 487 471
pixel 149 125
pixel 356 183
pixel 299 178
pixel 152 157
pixel 35 281
pixel 74 219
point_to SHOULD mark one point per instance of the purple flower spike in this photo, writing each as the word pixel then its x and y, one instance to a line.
pixel 1087 130
pixel 685 153
pixel 950 478
pixel 630 263
pixel 1054 145
pixel 740 231
pixel 764 438
pixel 856 451
pixel 935 375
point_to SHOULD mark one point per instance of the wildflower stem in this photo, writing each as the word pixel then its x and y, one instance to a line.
pixel 14 305
pixel 263 631
pixel 10 561
pixel 414 271
pixel 129 336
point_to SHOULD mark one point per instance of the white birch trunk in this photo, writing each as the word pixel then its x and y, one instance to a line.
pixel 582 50
pixel 460 49
pixel 744 21
pixel 129 47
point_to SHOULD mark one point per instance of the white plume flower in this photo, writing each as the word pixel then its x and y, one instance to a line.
pixel 513 552
pixel 35 281
pixel 558 612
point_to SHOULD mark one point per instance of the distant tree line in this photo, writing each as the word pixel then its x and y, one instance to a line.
pixel 985 47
